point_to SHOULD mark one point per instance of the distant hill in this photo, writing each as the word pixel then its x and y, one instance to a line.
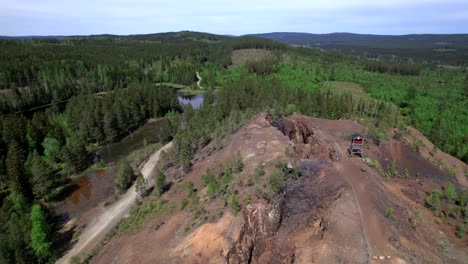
pixel 438 48
pixel 161 37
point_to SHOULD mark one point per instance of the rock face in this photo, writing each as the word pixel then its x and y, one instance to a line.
pixel 306 143
pixel 255 243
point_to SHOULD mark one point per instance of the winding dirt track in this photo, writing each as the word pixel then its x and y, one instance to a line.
pixel 98 228
pixel 199 81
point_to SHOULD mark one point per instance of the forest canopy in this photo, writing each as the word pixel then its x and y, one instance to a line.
pixel 63 99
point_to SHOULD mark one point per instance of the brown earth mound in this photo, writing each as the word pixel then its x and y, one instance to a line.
pixel 335 210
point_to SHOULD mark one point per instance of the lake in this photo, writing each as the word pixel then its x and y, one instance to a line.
pixel 196 100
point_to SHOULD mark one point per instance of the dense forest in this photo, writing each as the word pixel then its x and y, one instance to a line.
pixel 442 49
pixel 63 99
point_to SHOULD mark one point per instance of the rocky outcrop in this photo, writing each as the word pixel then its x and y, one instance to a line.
pixel 306 142
pixel 256 243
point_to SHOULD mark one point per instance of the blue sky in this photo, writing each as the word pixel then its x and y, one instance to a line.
pixel 83 17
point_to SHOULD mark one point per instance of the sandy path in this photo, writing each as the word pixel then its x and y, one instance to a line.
pixel 199 81
pixel 98 228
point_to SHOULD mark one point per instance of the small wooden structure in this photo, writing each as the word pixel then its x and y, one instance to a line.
pixel 357 143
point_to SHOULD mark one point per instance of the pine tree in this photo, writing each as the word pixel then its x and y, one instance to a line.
pixel 18 229
pixel 160 180
pixel 125 176
pixel 15 169
pixel 52 149
pixel 14 129
pixel 166 131
pixel 76 157
pixel 42 176
pixel 110 126
pixel 40 233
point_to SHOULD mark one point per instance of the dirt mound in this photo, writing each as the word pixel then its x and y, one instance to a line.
pixel 332 208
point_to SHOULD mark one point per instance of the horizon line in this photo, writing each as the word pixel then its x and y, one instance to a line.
pixel 226 34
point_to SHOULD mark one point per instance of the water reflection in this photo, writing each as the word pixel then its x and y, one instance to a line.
pixel 88 191
pixel 196 100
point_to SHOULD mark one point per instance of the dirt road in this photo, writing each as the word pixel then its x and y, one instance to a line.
pixel 199 81
pixel 110 216
pixel 367 191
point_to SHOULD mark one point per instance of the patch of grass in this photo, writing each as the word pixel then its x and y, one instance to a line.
pixel 406 174
pixel 376 165
pixel 418 145
pixel 250 181
pixel 390 214
pixel 247 198
pixel 391 170
pixel 235 204
pixel 237 165
pixel 414 220
pixel 449 192
pixel 262 193
pixel 184 203
pixel 78 233
pixel 450 206
pixel 212 184
pixel 433 201
pixel 259 172
pixel 135 158
pixel 149 207
pixel 451 171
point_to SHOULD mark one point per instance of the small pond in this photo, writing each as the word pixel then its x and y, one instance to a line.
pixel 196 100
pixel 87 192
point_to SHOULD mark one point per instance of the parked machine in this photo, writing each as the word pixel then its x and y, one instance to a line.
pixel 357 144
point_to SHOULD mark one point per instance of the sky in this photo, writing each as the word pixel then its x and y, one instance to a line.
pixel 235 17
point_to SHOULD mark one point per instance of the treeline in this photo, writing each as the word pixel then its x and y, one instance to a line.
pixel 247 42
pixel 37 72
pixel 392 67
pixel 38 154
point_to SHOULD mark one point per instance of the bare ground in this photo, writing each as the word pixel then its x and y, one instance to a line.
pixel 334 213
pixel 111 215
pixel 240 57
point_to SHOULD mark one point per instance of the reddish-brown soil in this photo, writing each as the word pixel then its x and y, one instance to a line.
pixel 333 213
